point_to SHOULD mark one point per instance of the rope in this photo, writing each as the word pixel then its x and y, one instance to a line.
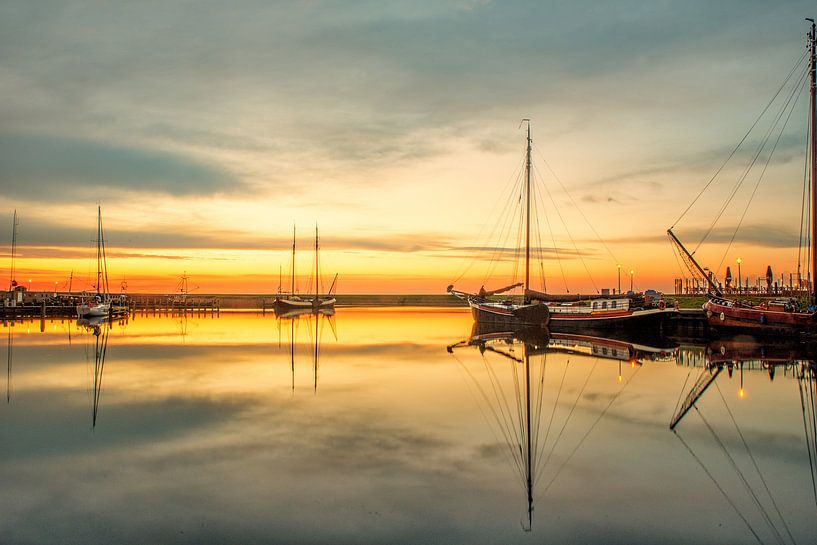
pixel 735 149
pixel 720 488
pixel 766 165
pixel 742 477
pixel 569 196
pixel 508 186
pixel 754 463
pixel 567 419
pixel 747 170
pixel 575 247
pixel 587 433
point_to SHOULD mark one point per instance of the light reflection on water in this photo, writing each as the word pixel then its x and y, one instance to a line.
pixel 213 430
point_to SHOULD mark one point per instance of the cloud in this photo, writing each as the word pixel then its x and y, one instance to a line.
pixel 36 167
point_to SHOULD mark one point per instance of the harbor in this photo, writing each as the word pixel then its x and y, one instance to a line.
pixel 399 273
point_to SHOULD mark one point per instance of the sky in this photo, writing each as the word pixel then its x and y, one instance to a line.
pixel 206 130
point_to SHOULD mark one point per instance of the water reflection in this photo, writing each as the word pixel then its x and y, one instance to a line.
pixel 518 405
pixel 208 430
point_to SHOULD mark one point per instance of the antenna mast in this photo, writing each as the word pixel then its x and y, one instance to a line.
pixel 812 45
pixel 14 223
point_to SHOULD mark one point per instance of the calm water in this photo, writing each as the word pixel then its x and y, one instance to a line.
pixel 220 430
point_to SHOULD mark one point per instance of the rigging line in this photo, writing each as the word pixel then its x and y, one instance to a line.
pixel 719 487
pixel 505 422
pixel 509 183
pixel 761 146
pixel 762 173
pixel 575 247
pixel 512 432
pixel 553 411
pixel 553 238
pixel 498 226
pixel 540 253
pixel 509 452
pixel 567 419
pixel 683 388
pixel 504 231
pixel 754 463
pixel 811 389
pixel 811 460
pixel 803 200
pixel 742 477
pixel 576 206
pixel 735 149
pixel 540 396
pixel 587 433
pixel 520 411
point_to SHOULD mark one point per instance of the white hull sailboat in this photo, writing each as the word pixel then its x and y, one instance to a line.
pixel 293 302
pixel 99 304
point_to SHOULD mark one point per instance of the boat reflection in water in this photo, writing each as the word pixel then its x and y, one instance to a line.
pixel 314 320
pixel 756 501
pixel 511 391
pixel 100 328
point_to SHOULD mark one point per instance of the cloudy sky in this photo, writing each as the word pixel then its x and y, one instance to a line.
pixel 205 130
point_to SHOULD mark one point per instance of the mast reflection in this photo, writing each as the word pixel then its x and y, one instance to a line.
pixel 511 391
pixel 766 519
pixel 314 319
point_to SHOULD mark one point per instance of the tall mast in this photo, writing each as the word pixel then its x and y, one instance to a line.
pixel 99 250
pixel 812 44
pixel 292 290
pixel 14 223
pixel 316 263
pixel 527 213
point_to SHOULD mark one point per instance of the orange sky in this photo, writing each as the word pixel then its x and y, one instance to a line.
pixel 397 130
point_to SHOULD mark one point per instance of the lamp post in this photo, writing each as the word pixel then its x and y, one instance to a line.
pixel 739 282
pixel 619 277
pixel 632 272
pixel 29 284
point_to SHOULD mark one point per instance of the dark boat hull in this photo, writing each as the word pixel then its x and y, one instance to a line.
pixel 511 315
pixel 644 320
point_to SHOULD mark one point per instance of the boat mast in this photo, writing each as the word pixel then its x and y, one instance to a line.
pixel 316 263
pixel 527 214
pixel 292 289
pixel 812 44
pixel 14 223
pixel 99 250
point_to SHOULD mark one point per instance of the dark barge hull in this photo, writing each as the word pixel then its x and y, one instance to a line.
pixel 646 321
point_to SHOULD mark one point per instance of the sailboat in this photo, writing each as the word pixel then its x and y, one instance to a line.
pixel 99 304
pixel 291 301
pixel 561 312
pixel 777 316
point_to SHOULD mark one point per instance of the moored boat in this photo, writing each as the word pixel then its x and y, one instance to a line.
pixel 561 312
pixel 724 311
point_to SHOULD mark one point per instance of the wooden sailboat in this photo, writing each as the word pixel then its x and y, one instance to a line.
pixel 780 316
pixel 561 312
pixel 98 304
pixel 292 301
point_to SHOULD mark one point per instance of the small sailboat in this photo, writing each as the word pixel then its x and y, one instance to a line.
pixel 566 312
pixel 316 302
pixel 726 312
pixel 98 304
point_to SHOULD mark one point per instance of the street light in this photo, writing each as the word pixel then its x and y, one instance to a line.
pixel 632 272
pixel 619 277
pixel 29 284
pixel 739 286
